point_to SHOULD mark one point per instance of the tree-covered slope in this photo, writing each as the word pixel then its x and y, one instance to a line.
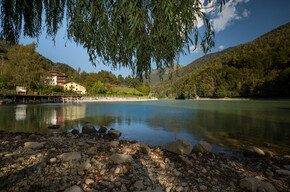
pixel 157 75
pixel 259 68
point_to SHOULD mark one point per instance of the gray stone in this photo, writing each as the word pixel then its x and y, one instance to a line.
pixel 33 145
pixel 70 156
pixel 114 143
pixel 114 133
pixel 121 158
pixel 283 172
pixel 139 185
pixel 89 129
pixel 202 147
pixel 287 167
pixel 179 147
pixel 123 188
pixel 185 161
pixel 103 129
pixel 202 188
pixel 74 189
pixel 254 184
pixel 253 151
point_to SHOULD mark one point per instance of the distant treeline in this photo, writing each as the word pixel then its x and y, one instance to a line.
pixel 23 66
pixel 256 69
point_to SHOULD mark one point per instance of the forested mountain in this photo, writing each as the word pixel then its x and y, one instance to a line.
pixel 157 75
pixel 259 68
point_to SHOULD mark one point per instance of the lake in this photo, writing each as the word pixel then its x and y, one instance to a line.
pixel 228 124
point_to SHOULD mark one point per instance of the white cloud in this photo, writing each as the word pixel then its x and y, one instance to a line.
pixel 221 47
pixel 221 20
pixel 195 49
pixel 246 13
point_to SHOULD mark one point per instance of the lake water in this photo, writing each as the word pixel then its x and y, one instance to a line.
pixel 226 124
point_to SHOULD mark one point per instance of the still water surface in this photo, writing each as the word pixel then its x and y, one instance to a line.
pixel 225 124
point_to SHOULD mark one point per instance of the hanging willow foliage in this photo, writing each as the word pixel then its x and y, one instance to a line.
pixel 123 33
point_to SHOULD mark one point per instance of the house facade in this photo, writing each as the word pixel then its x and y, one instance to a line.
pixel 56 79
pixel 75 87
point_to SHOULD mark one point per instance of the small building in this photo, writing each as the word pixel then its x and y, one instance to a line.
pixel 75 87
pixel 21 90
pixel 56 79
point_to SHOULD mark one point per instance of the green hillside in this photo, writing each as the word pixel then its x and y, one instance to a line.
pixel 156 75
pixel 259 68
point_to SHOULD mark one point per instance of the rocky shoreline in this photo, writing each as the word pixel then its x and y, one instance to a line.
pixel 95 160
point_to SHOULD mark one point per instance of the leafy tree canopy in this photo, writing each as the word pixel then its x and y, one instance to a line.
pixel 127 33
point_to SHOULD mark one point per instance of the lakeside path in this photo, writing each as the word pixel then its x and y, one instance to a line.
pixel 115 99
pixel 98 161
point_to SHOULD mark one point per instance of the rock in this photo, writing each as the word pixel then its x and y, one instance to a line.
pixel 84 166
pixel 74 189
pixel 117 170
pixel 70 156
pixel 254 184
pixel 179 147
pixel 103 129
pixel 145 149
pixel 283 172
pixel 286 158
pixel 33 145
pixel 121 158
pixel 54 127
pixel 268 154
pixel 202 147
pixel 114 133
pixel 114 143
pixel 202 188
pixel 89 129
pixel 253 151
pixel 179 189
pixel 185 161
pixel 89 181
pixel 123 188
pixel 287 167
pixel 52 160
pixel 75 132
pixel 139 185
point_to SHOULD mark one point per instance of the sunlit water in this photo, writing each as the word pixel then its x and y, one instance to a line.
pixel 225 124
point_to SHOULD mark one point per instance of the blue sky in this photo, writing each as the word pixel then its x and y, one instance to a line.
pixel 241 21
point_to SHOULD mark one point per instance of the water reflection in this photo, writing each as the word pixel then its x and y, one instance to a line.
pixel 225 123
pixel 20 112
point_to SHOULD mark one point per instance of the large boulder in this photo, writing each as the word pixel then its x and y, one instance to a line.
pixel 253 184
pixel 70 156
pixel 253 151
pixel 114 133
pixel 89 129
pixel 180 147
pixel 202 147
pixel 118 158
pixel 102 129
pixel 33 145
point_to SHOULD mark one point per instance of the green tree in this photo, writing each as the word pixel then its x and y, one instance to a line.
pixel 98 88
pixel 122 33
pixel 25 66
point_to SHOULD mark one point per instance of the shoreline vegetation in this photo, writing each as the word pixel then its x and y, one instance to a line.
pixel 95 160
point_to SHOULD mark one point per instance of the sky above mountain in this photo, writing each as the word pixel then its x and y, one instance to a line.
pixel 239 22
